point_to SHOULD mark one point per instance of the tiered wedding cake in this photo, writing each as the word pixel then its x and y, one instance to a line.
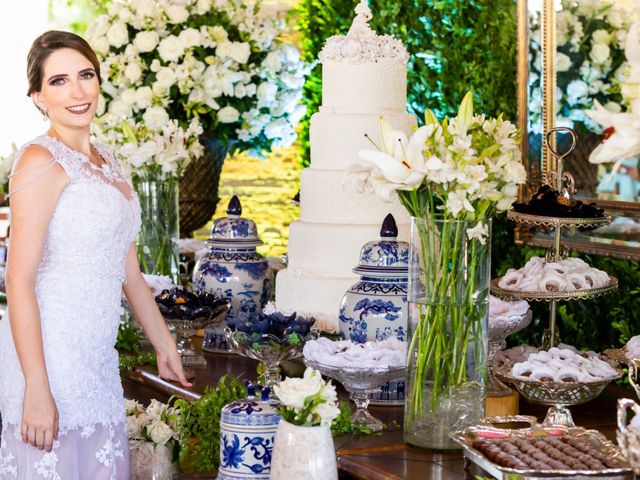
pixel 364 78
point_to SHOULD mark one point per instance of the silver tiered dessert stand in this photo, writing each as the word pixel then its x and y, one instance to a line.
pixel 556 395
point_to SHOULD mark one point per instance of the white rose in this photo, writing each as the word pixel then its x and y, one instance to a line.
pixel 600 53
pixel 327 412
pixel 160 432
pixel 128 97
pixel 133 428
pixel 101 45
pixel 171 49
pixel 251 89
pixel 228 115
pixel 133 72
pixel 577 89
pixel 166 77
pixel 218 34
pixel 615 18
pixel 273 61
pixel 146 41
pixel 601 36
pixel 144 97
pixel 292 392
pixel 118 34
pixel 98 28
pixel 238 51
pixel 240 91
pixel 120 109
pixel 155 65
pixel 267 92
pixel 563 62
pixel 155 118
pixel 203 6
pixel 190 37
pixel 144 8
pixel 177 13
pixel 277 129
pixel 514 172
pixel 155 409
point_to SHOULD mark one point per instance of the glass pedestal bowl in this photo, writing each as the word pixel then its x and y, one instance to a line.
pixel 557 395
pixel 499 329
pixel 359 383
pixel 186 329
pixel 269 350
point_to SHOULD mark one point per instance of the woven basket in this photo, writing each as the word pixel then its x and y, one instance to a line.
pixel 199 187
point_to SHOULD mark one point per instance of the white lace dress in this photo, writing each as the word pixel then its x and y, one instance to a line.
pixel 78 288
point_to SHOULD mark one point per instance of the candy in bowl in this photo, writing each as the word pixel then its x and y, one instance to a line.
pixel 187 312
pixel 361 368
pixel 270 339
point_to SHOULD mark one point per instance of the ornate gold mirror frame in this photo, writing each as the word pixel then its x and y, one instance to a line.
pixel 601 246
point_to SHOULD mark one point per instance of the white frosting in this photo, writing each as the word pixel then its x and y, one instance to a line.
pixel 324 198
pixel 331 249
pixel 336 139
pixel 377 86
pixel 362 44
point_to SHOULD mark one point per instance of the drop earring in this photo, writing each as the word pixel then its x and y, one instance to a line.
pixel 45 117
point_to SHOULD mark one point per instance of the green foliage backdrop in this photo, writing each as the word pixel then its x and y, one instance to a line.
pixel 457 45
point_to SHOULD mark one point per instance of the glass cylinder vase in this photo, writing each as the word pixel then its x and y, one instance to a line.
pixel 158 249
pixel 449 274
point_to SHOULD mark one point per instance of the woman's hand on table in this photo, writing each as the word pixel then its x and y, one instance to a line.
pixel 170 366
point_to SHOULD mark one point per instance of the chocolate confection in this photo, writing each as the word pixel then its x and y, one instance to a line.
pixel 548 202
pixel 544 453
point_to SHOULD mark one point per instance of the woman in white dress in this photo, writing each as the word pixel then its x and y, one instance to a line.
pixel 73 223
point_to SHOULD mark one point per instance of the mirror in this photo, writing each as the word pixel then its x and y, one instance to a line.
pixel 575 53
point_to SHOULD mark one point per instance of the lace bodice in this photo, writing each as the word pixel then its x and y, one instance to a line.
pixel 78 288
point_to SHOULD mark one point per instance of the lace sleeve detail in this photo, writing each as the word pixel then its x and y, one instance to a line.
pixel 58 156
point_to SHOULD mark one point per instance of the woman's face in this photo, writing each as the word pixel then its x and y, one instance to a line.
pixel 70 89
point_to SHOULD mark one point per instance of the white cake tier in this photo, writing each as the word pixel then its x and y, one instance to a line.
pixel 312 293
pixel 374 85
pixel 336 138
pixel 332 249
pixel 324 198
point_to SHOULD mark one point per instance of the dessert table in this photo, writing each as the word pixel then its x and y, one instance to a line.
pixel 374 457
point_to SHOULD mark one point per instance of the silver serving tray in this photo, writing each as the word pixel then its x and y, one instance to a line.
pixel 488 430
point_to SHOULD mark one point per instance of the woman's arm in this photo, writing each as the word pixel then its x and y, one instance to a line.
pixel 38 182
pixel 146 311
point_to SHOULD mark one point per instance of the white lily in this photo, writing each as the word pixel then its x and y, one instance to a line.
pixel 480 232
pixel 399 159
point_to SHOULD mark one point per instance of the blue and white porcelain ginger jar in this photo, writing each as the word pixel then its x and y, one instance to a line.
pixel 232 268
pixel 247 432
pixel 375 308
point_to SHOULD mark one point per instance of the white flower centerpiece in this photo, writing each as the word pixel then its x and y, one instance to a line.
pixel 452 176
pixel 154 434
pixel 303 445
pixel 177 75
pixel 591 35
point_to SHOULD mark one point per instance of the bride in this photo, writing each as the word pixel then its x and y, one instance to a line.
pixel 73 223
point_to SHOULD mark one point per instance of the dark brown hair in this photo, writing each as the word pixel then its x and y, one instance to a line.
pixel 45 45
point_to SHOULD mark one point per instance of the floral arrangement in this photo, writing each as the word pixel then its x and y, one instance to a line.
pixel 154 434
pixel 453 176
pixel 590 60
pixel 467 167
pixel 158 424
pixel 173 71
pixel 308 401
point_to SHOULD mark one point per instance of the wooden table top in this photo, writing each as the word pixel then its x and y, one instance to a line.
pixel 374 457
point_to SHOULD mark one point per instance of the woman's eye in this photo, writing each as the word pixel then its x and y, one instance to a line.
pixel 88 75
pixel 57 81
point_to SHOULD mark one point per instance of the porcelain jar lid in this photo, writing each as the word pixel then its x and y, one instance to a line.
pixel 251 411
pixel 386 257
pixel 234 231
